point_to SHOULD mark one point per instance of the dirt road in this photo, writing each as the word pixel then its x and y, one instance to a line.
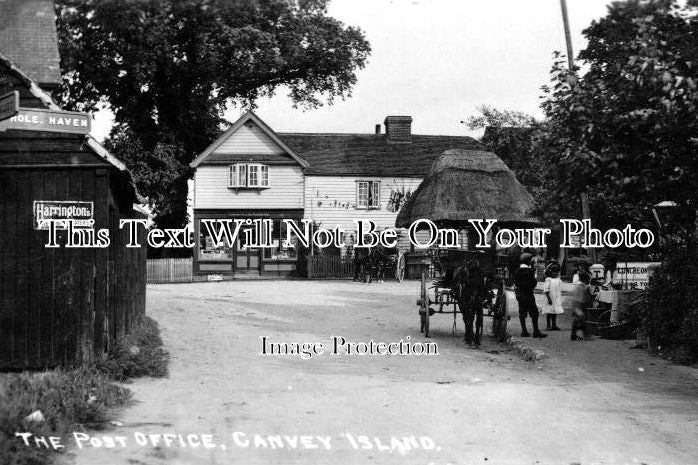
pixel 584 404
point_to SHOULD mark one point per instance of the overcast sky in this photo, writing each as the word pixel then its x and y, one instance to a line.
pixel 437 60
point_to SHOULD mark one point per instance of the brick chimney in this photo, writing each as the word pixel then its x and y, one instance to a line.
pixel 398 129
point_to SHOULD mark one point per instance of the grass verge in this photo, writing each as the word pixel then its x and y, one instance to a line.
pixel 74 399
pixel 70 400
pixel 138 354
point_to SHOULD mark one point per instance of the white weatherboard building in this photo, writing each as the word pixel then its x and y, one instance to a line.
pixel 332 179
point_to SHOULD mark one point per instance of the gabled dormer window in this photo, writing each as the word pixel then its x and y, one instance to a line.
pixel 248 175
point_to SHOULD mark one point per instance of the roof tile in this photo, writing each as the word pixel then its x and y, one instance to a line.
pixel 371 154
pixel 28 38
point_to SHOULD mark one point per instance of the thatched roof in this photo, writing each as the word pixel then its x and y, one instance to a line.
pixel 468 184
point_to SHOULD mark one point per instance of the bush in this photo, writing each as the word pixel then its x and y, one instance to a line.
pixel 138 354
pixel 68 399
pixel 671 316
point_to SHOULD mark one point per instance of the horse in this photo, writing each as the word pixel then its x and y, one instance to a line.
pixel 370 263
pixel 466 280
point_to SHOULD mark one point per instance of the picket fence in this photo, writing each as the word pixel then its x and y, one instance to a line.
pixel 170 270
pixel 330 267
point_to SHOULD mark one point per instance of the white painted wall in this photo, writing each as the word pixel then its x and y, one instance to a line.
pixel 249 138
pixel 211 190
pixel 285 191
pixel 331 200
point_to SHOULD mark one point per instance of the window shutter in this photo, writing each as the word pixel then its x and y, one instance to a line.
pixel 232 176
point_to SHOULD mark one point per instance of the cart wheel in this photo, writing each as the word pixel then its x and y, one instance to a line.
pixel 400 268
pixel 424 308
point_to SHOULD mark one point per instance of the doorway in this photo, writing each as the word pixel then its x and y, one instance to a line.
pixel 247 259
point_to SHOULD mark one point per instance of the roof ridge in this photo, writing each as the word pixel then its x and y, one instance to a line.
pixel 348 134
pixel 247 116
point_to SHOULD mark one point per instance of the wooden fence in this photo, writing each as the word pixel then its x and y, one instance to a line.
pixel 170 270
pixel 330 267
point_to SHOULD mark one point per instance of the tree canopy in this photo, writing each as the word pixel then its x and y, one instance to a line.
pixel 168 69
pixel 625 131
pixel 508 134
pixel 493 117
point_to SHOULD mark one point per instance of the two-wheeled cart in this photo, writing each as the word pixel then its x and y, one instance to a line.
pixel 464 185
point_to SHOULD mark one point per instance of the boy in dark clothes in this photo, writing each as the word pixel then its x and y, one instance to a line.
pixel 524 286
pixel 582 300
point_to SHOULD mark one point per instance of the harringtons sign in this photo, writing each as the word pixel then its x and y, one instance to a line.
pixel 80 213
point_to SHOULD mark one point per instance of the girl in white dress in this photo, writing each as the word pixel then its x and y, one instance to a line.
pixel 553 295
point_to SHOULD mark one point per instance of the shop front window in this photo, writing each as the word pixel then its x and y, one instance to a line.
pixel 208 251
pixel 277 251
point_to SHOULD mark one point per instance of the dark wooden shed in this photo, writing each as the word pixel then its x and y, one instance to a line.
pixel 61 306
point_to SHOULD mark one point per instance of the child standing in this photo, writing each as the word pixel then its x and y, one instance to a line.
pixel 581 301
pixel 553 293
pixel 524 289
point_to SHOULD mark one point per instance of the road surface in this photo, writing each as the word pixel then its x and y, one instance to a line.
pixel 224 403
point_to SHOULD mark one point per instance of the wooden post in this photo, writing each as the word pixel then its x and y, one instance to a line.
pixel 586 214
pixel 568 38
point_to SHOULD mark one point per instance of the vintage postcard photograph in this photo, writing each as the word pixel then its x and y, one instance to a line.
pixel 424 232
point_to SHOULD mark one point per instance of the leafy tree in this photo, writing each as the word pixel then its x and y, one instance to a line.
pixel 154 170
pixel 509 134
pixel 625 131
pixel 168 69
pixel 493 117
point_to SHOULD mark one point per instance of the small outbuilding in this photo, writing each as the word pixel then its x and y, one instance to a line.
pixel 59 306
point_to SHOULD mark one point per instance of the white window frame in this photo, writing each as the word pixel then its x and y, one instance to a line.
pixel 371 199
pixel 263 175
pixel 375 197
pixel 242 175
pixel 232 176
pixel 252 175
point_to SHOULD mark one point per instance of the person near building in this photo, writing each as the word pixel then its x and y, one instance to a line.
pixel 582 267
pixel 524 288
pixel 538 264
pixel 582 299
pixel 553 295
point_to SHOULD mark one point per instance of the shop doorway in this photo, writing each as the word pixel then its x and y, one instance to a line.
pixel 247 259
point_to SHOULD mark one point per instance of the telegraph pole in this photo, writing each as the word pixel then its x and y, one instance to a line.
pixel 586 212
pixel 568 37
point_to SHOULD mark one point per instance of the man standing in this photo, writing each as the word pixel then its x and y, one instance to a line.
pixel 524 287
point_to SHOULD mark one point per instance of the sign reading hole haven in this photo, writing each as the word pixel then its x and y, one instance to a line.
pixel 80 212
pixel 31 119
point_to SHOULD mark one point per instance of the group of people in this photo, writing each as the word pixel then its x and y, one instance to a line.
pixel 525 283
